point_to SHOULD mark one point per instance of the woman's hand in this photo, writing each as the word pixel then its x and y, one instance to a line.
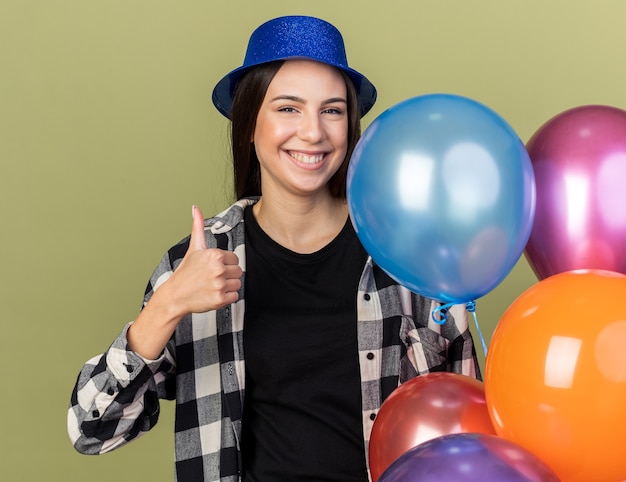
pixel 205 280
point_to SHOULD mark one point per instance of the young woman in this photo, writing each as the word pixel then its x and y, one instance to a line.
pixel 281 277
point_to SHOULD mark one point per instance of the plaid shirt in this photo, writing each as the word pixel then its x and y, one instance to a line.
pixel 116 397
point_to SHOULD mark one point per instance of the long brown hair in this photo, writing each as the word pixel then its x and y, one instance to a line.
pixel 247 100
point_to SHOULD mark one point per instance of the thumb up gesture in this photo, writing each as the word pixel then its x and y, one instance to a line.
pixel 206 279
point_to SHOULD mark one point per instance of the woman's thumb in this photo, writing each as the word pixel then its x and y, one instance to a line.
pixel 197 240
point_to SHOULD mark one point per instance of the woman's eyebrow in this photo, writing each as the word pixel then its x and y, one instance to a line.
pixel 332 100
pixel 295 98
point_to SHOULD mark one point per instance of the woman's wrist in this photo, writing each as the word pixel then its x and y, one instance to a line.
pixel 152 329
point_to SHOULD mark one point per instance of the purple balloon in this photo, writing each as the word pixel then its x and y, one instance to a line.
pixel 579 159
pixel 468 457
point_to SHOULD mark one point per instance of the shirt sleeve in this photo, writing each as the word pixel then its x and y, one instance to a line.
pixel 116 397
pixel 432 346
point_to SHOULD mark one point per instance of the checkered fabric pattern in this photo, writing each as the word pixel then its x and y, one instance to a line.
pixel 116 397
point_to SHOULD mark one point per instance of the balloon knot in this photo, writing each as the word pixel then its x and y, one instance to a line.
pixel 440 314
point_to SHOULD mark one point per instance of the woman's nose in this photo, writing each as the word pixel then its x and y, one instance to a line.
pixel 311 128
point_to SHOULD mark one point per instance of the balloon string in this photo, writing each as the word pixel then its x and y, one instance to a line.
pixel 471 307
pixel 440 316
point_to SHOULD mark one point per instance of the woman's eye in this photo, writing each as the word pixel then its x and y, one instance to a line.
pixel 333 110
pixel 286 109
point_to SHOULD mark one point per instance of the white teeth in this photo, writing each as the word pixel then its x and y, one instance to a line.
pixel 306 158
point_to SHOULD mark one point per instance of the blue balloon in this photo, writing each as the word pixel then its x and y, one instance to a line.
pixel 468 457
pixel 441 193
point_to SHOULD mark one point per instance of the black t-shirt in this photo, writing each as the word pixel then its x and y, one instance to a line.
pixel 302 417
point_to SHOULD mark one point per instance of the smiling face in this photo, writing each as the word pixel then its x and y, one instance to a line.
pixel 302 129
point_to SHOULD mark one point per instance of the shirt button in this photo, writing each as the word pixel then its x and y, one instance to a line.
pixel 372 416
pixel 366 296
pixel 95 414
pixel 110 392
pixel 370 356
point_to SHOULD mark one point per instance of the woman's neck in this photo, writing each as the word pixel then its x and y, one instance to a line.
pixel 301 225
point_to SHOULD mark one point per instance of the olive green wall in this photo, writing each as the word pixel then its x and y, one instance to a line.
pixel 108 136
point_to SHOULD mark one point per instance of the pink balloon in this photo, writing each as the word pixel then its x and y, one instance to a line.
pixel 423 408
pixel 579 159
